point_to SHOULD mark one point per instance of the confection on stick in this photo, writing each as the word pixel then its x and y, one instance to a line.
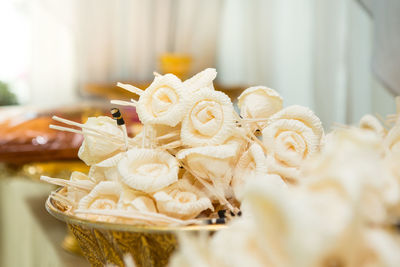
pixel 194 154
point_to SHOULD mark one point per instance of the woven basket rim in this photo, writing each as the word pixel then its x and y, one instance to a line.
pixel 51 208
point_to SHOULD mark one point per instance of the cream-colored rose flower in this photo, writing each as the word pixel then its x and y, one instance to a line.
pixel 76 194
pixel 352 165
pixel 148 170
pixel 392 140
pixel 181 200
pixel 162 102
pixel 212 163
pixel 95 149
pixel 135 200
pixel 259 102
pixel 107 170
pixel 292 135
pixel 251 163
pixel 371 123
pixel 196 186
pixel 104 195
pixel 202 79
pixel 209 119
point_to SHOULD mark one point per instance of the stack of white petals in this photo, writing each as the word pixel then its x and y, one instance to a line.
pixel 307 199
pixel 194 155
pixel 342 211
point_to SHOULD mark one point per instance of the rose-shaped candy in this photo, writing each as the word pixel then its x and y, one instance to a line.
pixel 182 201
pixel 196 186
pixel 371 123
pixel 315 229
pixel 252 163
pixel 212 163
pixel 104 196
pixel 209 120
pixel 136 200
pixel 95 149
pixel 162 102
pixel 76 194
pixel 292 135
pixel 200 80
pixel 352 165
pixel 148 170
pixel 106 169
pixel 259 102
pixel 392 140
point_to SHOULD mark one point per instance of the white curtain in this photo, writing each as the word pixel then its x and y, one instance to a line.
pixel 76 42
pixel 314 52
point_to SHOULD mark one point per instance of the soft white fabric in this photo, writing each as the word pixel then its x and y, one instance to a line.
pixel 314 53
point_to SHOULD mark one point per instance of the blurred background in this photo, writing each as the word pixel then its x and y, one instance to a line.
pixel 64 57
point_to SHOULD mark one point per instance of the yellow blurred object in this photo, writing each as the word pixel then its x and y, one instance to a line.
pixel 70 244
pixel 178 64
pixel 60 169
pixel 105 243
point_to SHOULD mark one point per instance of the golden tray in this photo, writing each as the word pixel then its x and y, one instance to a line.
pixel 106 243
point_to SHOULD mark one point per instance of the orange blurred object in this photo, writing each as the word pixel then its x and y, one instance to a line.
pixel 175 63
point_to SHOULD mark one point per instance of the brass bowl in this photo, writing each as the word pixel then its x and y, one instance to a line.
pixel 106 243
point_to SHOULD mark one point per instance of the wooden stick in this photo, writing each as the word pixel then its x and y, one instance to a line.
pixel 211 189
pixel 258 141
pixel 125 133
pixel 156 74
pixel 249 120
pixel 63 182
pixel 255 139
pixel 171 145
pixel 131 88
pixel 143 215
pixel 168 135
pixel 123 103
pixel 144 135
pixel 83 126
pixel 96 132
pixel 66 129
pixel 61 198
pixel 382 120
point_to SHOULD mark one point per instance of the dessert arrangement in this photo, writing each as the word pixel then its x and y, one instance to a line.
pixel 344 210
pixel 293 195
pixel 193 157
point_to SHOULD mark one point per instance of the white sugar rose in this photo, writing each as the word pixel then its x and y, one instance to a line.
pixel 148 170
pixel 292 135
pixel 209 120
pixel 371 123
pixel 107 169
pixel 135 200
pixel 392 140
pixel 182 200
pixel 95 149
pixel 259 102
pixel 104 196
pixel 162 102
pixel 251 163
pixel 212 163
pixel 352 165
pixel 76 194
pixel 202 79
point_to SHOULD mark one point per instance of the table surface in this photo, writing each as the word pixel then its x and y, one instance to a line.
pixel 29 236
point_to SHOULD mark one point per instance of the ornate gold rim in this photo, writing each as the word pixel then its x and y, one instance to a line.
pixel 69 219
